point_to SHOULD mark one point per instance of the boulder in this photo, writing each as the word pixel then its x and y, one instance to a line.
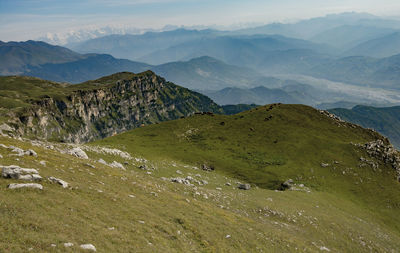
pixel 117 165
pixel 78 153
pixel 207 168
pixel 244 186
pixel 5 127
pixel 19 151
pixel 15 172
pixel 58 181
pixel 102 161
pixel 29 177
pixel 31 185
pixel 287 184
pixel 31 153
pixel 88 247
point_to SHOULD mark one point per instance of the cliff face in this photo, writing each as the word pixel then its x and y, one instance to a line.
pixel 108 106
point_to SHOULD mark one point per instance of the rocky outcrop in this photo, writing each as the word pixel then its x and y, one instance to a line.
pixel 78 153
pixel 16 172
pixel 384 151
pixel 107 106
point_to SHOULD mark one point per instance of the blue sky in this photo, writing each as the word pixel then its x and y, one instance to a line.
pixel 24 19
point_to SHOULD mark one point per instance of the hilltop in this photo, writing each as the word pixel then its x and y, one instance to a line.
pixel 173 186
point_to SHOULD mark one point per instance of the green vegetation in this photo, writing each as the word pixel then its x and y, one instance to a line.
pixel 342 207
pixel 337 203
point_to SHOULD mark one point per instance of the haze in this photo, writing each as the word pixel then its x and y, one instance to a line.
pixel 22 20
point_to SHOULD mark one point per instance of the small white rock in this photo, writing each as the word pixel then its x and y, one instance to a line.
pixel 68 244
pixel 102 161
pixel 58 181
pixel 88 247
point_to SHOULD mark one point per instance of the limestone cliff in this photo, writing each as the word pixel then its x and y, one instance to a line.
pixel 107 106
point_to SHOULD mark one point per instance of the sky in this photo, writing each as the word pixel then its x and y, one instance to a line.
pixel 31 19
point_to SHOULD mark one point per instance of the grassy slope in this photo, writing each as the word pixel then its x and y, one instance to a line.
pixel 292 144
pixel 177 219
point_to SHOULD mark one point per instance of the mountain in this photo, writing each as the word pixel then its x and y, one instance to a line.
pixel 383 46
pixel 206 73
pixel 94 109
pixel 310 28
pixel 199 73
pixel 246 51
pixel 258 95
pixel 91 66
pixel 346 37
pixel 385 120
pixel 360 70
pixel 17 57
pixel 135 46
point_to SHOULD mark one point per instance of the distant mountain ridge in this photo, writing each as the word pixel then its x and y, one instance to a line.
pixel 385 120
pixel 16 57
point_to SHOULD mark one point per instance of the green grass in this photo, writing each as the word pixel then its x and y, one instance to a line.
pixel 347 208
pixel 177 219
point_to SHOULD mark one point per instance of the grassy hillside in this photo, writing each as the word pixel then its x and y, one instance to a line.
pixel 254 147
pixel 340 208
pixel 385 120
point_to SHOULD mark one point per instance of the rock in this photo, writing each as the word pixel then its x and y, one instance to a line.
pixel 33 177
pixel 3 146
pixel 15 172
pixel 179 172
pixel 90 165
pixel 207 168
pixel 244 186
pixel 117 165
pixel 42 163
pixel 228 184
pixel 102 161
pixel 68 244
pixel 78 153
pixel 385 152
pixel 5 127
pixel 324 165
pixel 58 181
pixel 19 151
pixel 18 186
pixel 1 156
pixel 31 153
pixel 88 247
pixel 287 184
